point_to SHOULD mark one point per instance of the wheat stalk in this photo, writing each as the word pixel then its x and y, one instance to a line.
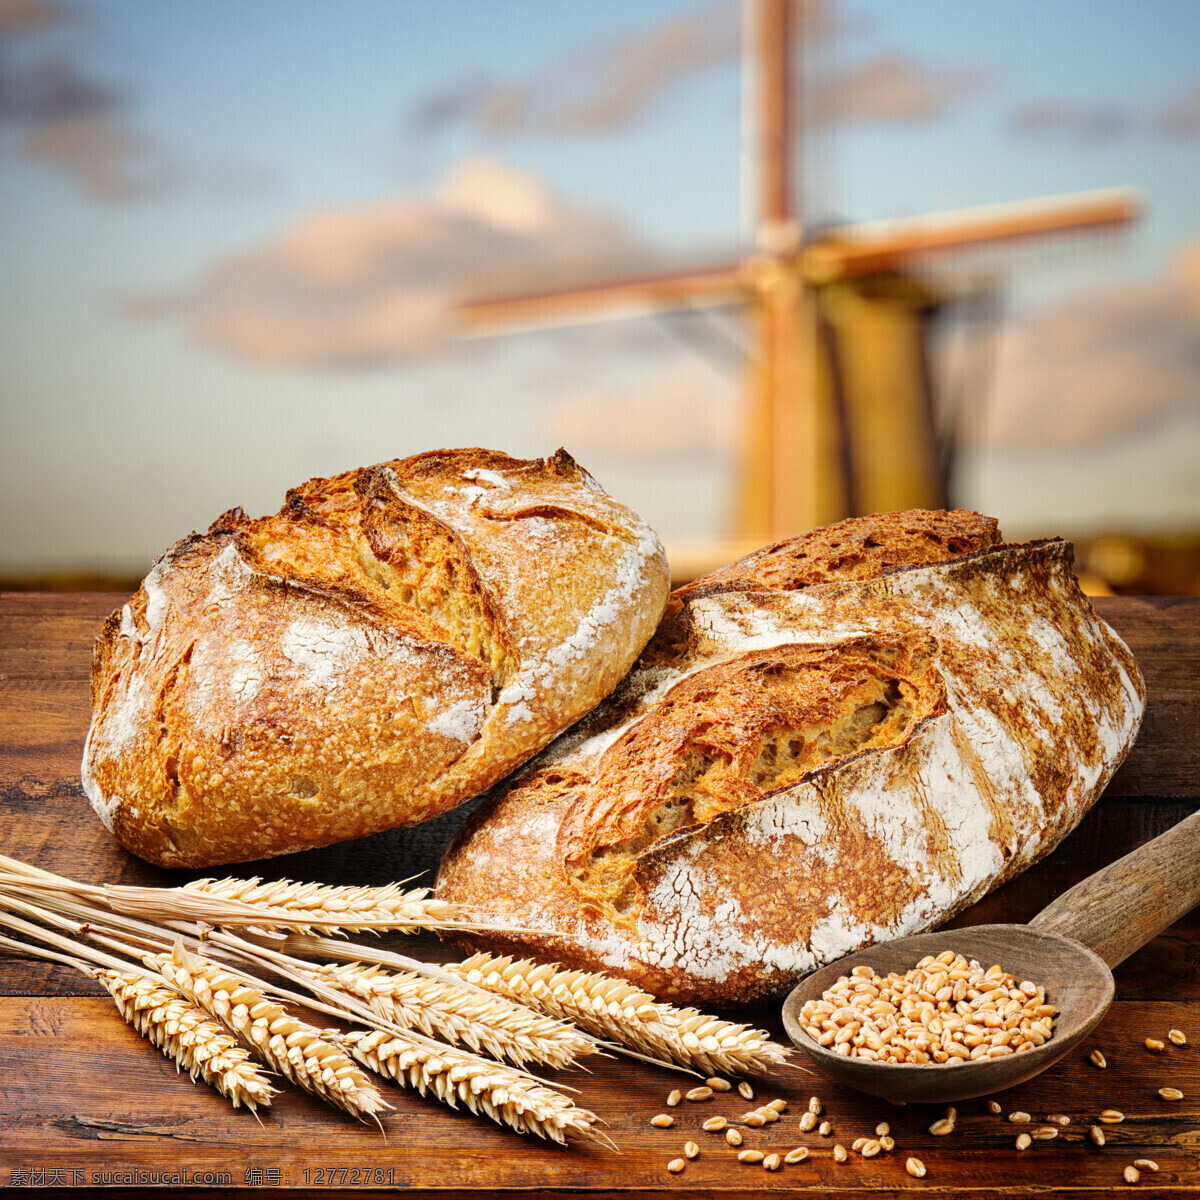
pixel 185 1033
pixel 352 909
pixel 165 1017
pixel 613 1008
pixel 496 1091
pixel 485 1023
pixel 296 1049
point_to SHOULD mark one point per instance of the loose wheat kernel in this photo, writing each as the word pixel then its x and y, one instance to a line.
pixel 1131 1174
pixel 871 1149
pixel 699 1093
pixel 993 1106
pixel 941 1128
pixel 808 1122
pixel 751 1156
pixel 690 1150
pixel 771 1162
pixel 950 1113
pixel 770 1115
pixel 1170 1093
pixel 1177 1037
pixel 733 1137
pixel 1097 1135
pixel 1024 1141
pixel 825 1129
pixel 1098 1059
pixel 839 1153
pixel 662 1121
pixel 1110 1116
pixel 888 1143
pixel 1019 1118
pixel 883 1128
pixel 1044 1133
pixel 745 1091
pixel 676 1165
pixel 858 1144
pixel 674 1098
pixel 778 1106
pixel 916 1168
pixel 1058 1119
pixel 1155 1046
pixel 718 1084
pixel 714 1124
pixel 753 1119
pixel 1146 1164
pixel 814 1106
pixel 796 1156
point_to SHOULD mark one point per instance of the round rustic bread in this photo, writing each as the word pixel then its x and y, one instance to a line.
pixel 387 645
pixel 836 741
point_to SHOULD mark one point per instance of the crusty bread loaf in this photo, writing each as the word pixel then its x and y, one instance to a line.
pixel 839 740
pixel 389 644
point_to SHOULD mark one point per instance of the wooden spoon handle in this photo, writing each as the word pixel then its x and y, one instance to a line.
pixel 1119 909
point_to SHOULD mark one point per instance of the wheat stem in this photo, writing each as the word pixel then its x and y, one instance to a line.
pixel 184 1032
pixel 613 1008
pixel 496 1091
pixel 294 1048
pixel 485 1023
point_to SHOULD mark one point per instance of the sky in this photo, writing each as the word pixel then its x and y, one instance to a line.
pixel 231 234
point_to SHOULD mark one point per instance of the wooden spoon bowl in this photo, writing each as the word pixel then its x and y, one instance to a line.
pixel 1077 982
pixel 1069 948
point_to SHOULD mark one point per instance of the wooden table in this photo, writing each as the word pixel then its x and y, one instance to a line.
pixel 84 1101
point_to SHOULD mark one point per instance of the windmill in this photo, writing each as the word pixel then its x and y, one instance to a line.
pixel 838 417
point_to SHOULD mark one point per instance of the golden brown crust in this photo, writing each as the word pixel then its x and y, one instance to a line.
pixel 787 775
pixel 388 644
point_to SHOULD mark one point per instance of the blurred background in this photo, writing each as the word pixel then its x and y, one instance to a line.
pixel 247 244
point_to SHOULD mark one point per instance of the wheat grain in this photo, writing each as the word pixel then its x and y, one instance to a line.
pixel 499 1092
pixel 186 1034
pixel 355 909
pixel 296 1049
pixel 614 1009
pixel 484 1023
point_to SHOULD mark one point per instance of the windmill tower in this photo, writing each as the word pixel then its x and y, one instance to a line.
pixel 838 416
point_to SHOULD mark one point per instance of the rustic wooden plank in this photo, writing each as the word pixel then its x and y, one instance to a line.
pixel 81 1092
pixel 1164 634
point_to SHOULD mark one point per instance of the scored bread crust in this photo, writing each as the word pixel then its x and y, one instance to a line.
pixel 390 643
pixel 915 714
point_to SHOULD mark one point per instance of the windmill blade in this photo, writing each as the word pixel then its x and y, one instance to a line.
pixel 862 249
pixel 484 316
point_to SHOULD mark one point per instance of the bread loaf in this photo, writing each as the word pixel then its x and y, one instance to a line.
pixel 842 739
pixel 387 645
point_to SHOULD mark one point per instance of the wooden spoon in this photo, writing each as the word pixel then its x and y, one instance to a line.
pixel 1069 948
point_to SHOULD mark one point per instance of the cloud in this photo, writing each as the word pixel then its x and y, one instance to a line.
pixel 1181 118
pixel 609 85
pixel 893 88
pixel 1090 124
pixel 597 89
pixel 1101 366
pixel 684 412
pixel 29 16
pixel 369 286
pixel 54 112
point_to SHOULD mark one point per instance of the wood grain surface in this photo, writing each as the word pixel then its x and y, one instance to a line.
pixel 85 1102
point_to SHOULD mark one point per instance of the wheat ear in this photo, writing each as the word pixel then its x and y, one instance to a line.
pixel 185 1033
pixel 354 909
pixel 484 1023
pixel 496 1091
pixel 294 1048
pixel 613 1008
